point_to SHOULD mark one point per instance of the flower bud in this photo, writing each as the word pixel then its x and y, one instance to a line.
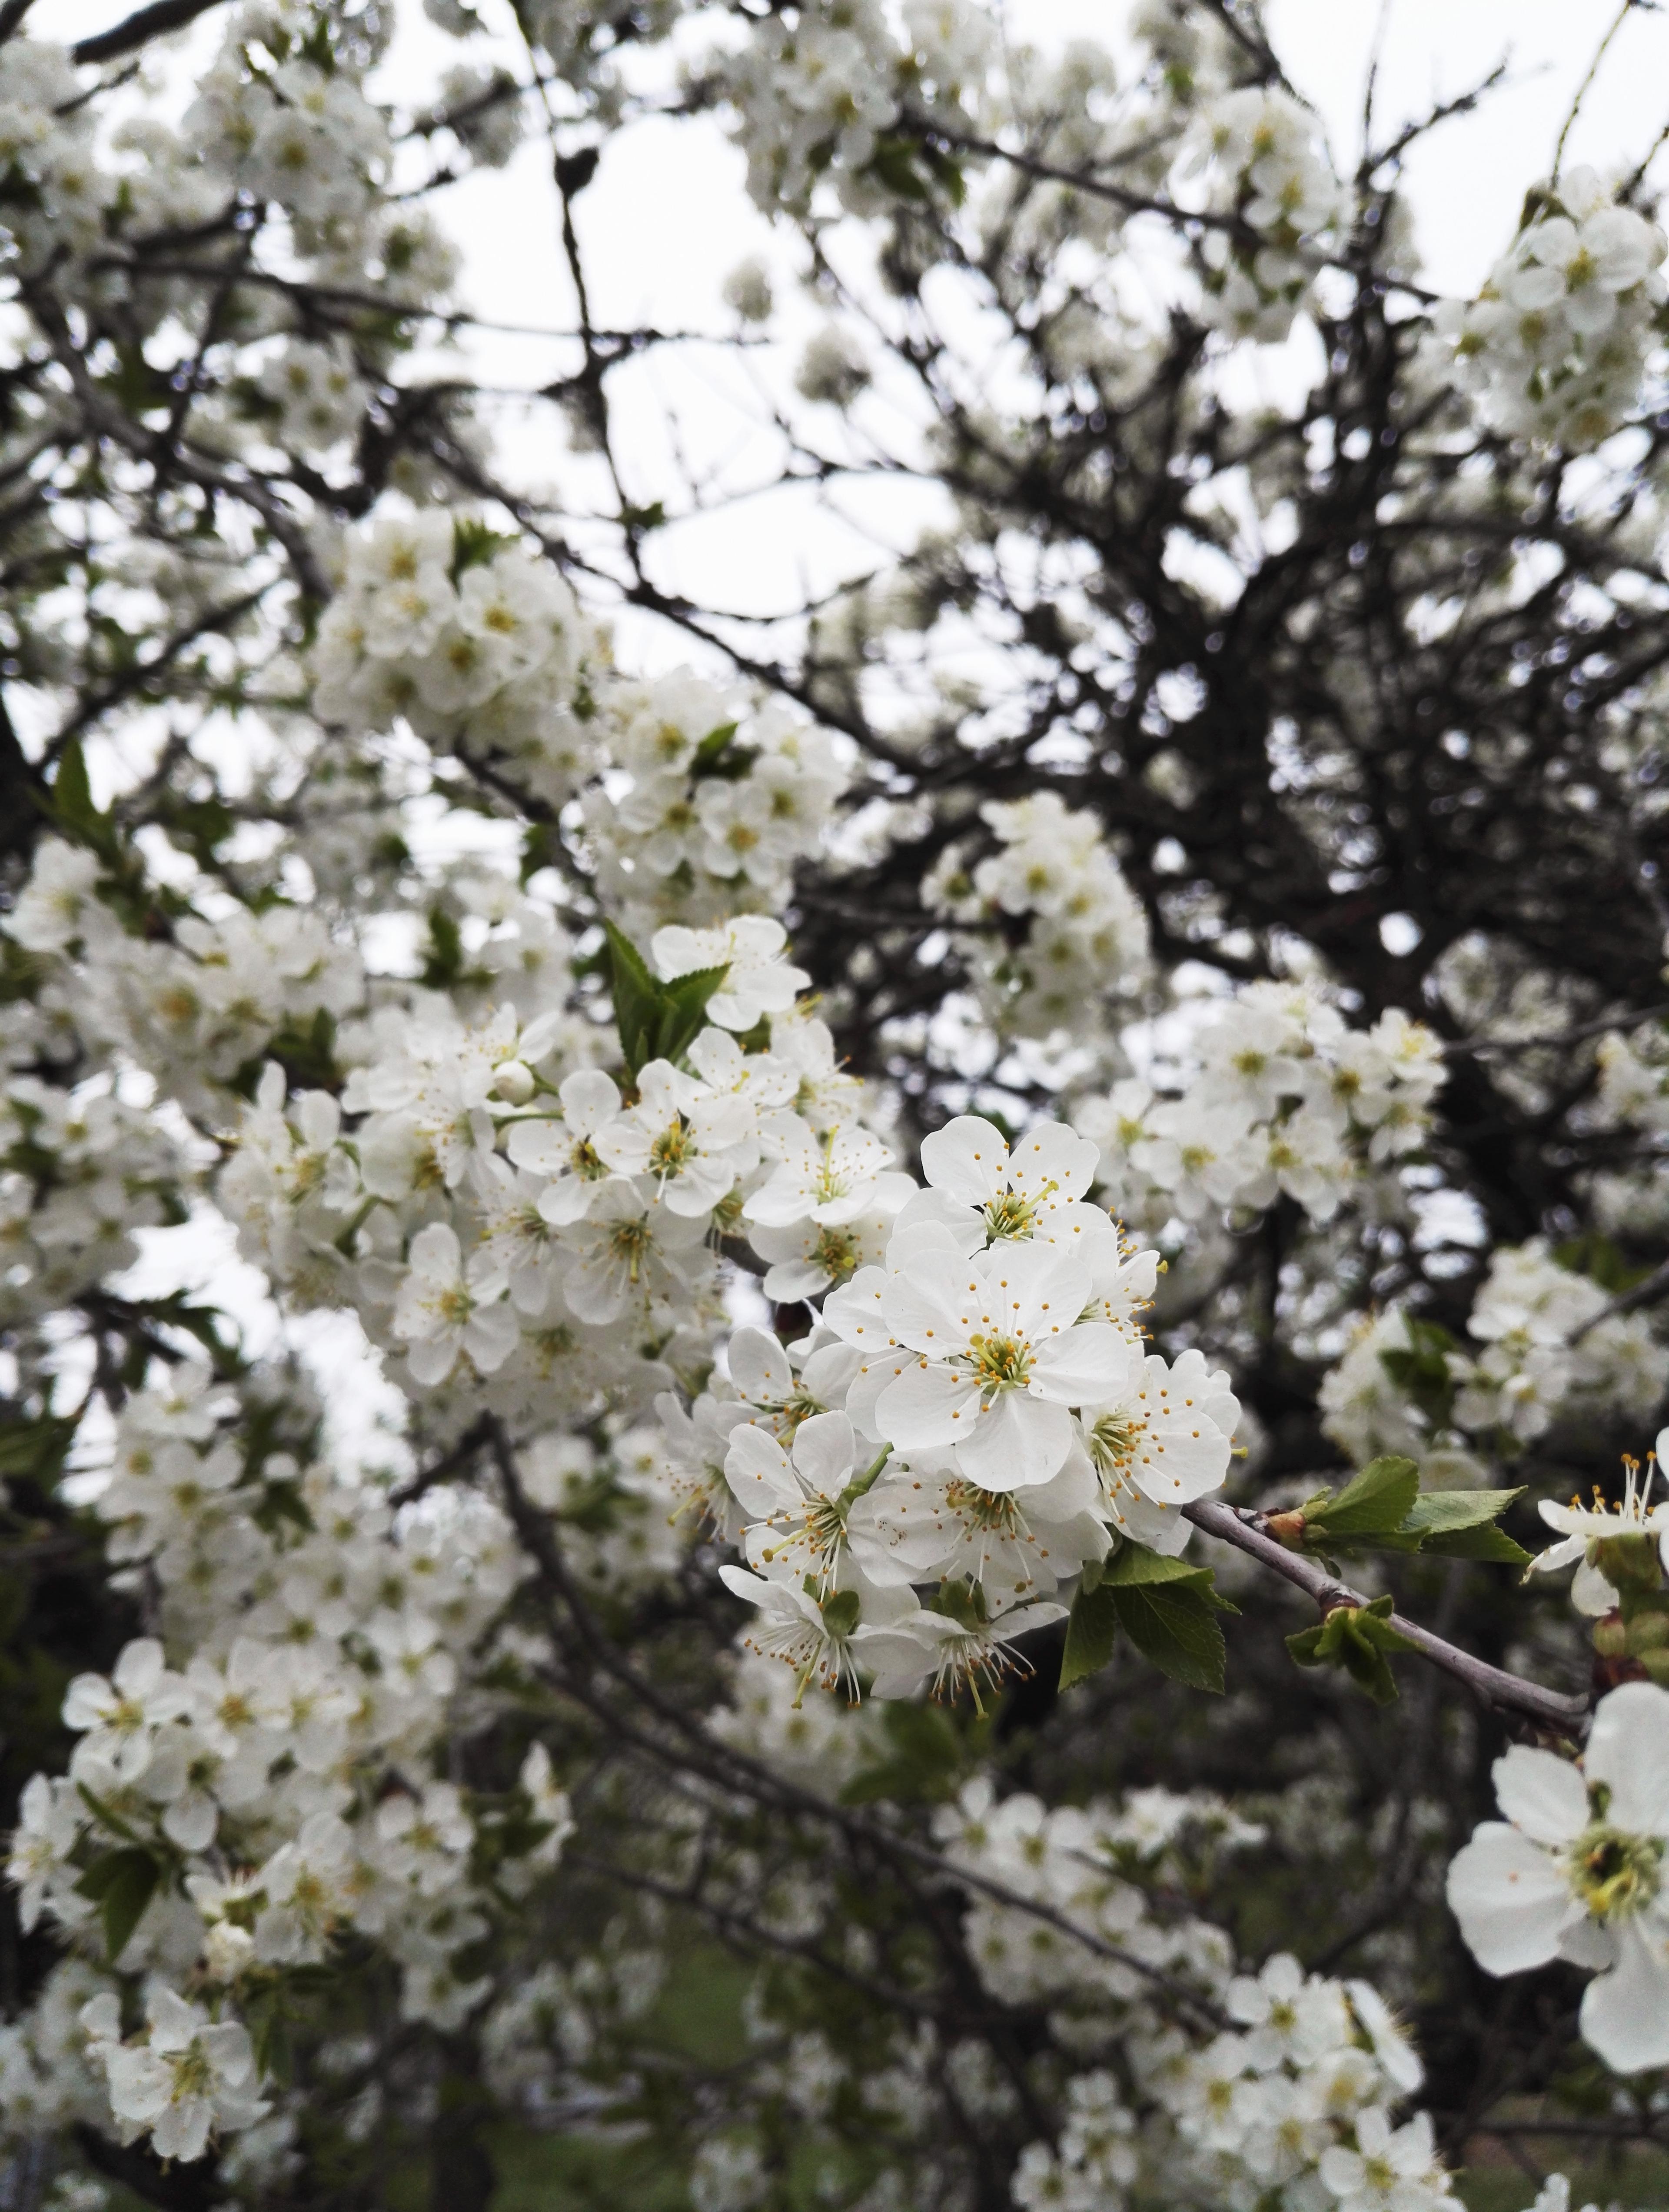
pixel 1647 1631
pixel 513 1079
pixel 1611 1638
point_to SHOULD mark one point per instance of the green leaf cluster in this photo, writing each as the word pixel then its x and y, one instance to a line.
pixel 121 1882
pixel 1167 1608
pixel 719 755
pixel 69 804
pixel 923 1761
pixel 1358 1638
pixel 1384 1510
pixel 1421 1370
pixel 656 1020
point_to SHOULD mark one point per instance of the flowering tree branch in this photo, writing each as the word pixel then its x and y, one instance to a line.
pixel 1509 1693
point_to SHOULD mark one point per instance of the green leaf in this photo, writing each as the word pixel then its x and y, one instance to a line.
pixel 719 755
pixel 121 1883
pixel 637 1000
pixel 475 544
pixel 1377 1502
pixel 656 1020
pixel 1358 1640
pixel 1175 1625
pixel 1459 1524
pixel 1134 1564
pixel 1092 1635
pixel 1159 1603
pixel 69 805
pixel 72 794
pixel 443 961
pixel 894 163
pixel 1486 1543
pixel 35 1448
pixel 925 1763
pixel 1440 1512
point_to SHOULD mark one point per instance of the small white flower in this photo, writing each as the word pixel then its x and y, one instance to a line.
pixel 1576 1871
pixel 444 1310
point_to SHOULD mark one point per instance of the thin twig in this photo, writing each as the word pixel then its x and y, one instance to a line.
pixel 1646 1293
pixel 1507 1692
pixel 1586 86
pixel 1478 1047
pixel 139 28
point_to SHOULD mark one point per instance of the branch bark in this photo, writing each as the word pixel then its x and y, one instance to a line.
pixel 1508 1693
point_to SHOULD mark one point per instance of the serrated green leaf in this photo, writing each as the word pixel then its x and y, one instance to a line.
pixel 1488 1543
pixel 121 1883
pixel 1439 1511
pixel 1175 1625
pixel 1376 1503
pixel 475 544
pixel 684 1009
pixel 1092 1635
pixel 1358 1640
pixel 637 1000
pixel 715 742
pixel 656 1020
pixel 35 1448
pixel 1132 1563
pixel 72 794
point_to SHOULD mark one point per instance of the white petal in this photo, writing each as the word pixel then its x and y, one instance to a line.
pixel 1084 1366
pixel 926 1406
pixel 968 1159
pixel 1510 1899
pixel 1625 2013
pixel 1628 1749
pixel 757 1469
pixel 1542 1795
pixel 1018 1442
pixel 822 1452
pixel 759 1367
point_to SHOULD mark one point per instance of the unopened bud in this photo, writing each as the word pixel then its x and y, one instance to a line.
pixel 1655 1664
pixel 1627 1562
pixel 513 1079
pixel 1647 1631
pixel 1286 1529
pixel 1611 1638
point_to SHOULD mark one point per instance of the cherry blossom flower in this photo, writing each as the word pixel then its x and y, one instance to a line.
pixel 1575 1871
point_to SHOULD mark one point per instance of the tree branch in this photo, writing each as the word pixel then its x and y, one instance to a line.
pixel 1509 1693
pixel 139 28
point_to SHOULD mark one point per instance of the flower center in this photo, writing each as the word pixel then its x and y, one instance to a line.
pixel 994 1512
pixel 999 1363
pixel 1009 1214
pixel 1616 1874
pixel 1111 1441
pixel 669 1151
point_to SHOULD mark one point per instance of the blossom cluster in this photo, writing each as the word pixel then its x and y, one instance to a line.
pixel 478 645
pixel 718 799
pixel 261 1782
pixel 1281 1098
pixel 975 1410
pixel 1085 944
pixel 1255 159
pixel 835 91
pixel 1551 1354
pixel 1557 343
pixel 1293 2102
